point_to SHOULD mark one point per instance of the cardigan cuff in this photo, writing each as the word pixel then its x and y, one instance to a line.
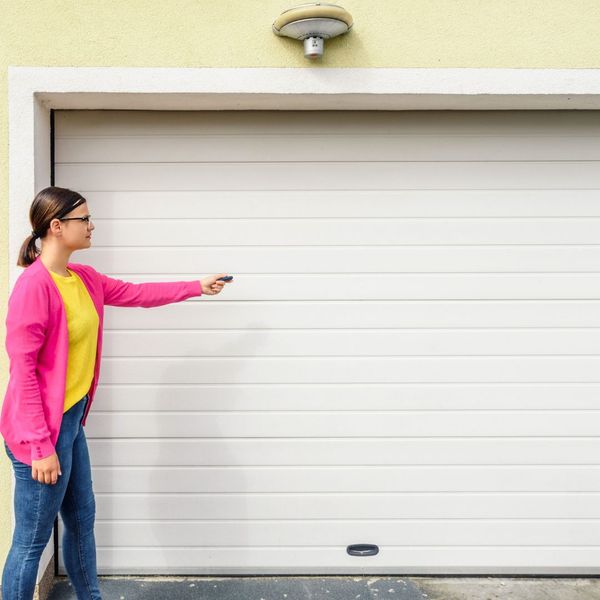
pixel 42 449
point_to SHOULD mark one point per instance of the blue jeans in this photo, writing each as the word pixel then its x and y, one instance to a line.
pixel 36 506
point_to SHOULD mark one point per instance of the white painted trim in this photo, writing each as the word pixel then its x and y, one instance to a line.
pixel 563 88
pixel 33 91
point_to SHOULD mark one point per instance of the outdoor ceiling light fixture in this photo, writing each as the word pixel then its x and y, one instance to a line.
pixel 313 23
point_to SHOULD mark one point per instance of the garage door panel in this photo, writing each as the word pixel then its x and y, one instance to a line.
pixel 433 286
pixel 447 478
pixel 347 313
pixel 271 204
pixel 347 424
pixel 373 259
pixel 350 147
pixel 350 369
pixel 345 396
pixel 245 532
pixel 427 122
pixel 354 342
pixel 333 559
pixel 409 450
pixel 390 505
pixel 335 232
pixel 330 176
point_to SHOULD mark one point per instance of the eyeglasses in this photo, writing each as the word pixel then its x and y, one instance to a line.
pixel 85 220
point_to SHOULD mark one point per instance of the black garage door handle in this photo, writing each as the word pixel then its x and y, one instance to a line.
pixel 362 549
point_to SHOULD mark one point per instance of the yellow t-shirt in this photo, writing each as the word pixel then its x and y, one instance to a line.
pixel 82 323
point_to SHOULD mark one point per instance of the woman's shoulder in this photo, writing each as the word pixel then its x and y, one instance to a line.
pixel 32 286
pixel 32 275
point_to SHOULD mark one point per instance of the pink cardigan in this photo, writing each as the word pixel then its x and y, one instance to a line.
pixel 37 342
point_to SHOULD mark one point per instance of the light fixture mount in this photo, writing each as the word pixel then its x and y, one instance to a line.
pixel 313 23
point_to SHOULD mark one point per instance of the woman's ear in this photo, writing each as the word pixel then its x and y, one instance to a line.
pixel 55 227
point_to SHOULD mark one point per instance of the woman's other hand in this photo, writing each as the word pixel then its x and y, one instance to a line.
pixel 46 470
pixel 210 285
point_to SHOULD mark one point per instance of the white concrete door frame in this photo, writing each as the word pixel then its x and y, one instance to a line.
pixel 33 92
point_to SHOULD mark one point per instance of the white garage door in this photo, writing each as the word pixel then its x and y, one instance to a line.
pixel 408 355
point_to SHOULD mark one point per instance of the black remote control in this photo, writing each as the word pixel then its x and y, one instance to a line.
pixel 226 278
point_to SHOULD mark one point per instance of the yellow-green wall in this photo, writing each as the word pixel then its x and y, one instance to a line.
pixel 237 33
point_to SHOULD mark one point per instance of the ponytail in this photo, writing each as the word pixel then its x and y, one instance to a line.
pixel 29 251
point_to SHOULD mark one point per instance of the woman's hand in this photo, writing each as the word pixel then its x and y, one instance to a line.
pixel 210 285
pixel 46 470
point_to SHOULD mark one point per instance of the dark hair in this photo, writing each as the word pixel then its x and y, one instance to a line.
pixel 50 203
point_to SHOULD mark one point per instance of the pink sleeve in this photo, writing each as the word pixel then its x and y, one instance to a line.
pixel 123 293
pixel 26 324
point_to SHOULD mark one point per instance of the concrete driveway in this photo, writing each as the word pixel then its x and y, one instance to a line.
pixel 338 587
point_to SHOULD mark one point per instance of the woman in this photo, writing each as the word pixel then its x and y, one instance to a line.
pixel 54 343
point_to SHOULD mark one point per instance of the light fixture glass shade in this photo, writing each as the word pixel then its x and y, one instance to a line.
pixel 320 27
pixel 313 23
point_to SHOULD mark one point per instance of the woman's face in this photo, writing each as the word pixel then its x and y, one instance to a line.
pixel 77 234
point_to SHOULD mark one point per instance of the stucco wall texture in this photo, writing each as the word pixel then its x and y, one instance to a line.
pixel 237 33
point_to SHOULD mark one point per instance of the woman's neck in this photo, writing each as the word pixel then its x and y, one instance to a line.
pixel 55 260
